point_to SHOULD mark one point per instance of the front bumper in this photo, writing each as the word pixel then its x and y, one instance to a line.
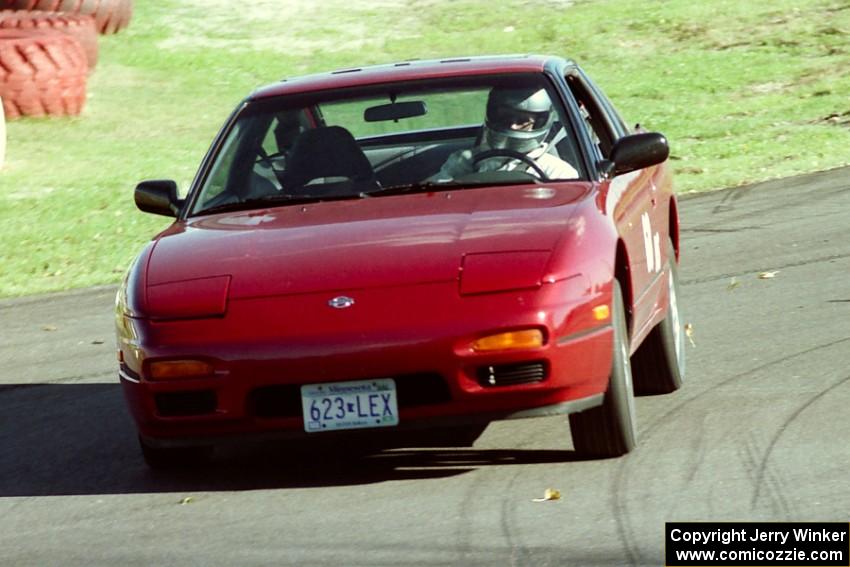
pixel 260 354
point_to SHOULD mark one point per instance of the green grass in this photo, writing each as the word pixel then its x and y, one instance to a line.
pixel 745 91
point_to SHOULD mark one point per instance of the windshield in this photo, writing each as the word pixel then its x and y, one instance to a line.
pixel 392 138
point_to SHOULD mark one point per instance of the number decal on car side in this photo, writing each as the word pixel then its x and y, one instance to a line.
pixel 652 245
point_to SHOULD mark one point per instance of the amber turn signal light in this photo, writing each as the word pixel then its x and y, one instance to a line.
pixel 601 312
pixel 176 369
pixel 528 338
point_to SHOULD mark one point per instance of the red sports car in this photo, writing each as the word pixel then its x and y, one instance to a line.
pixel 425 244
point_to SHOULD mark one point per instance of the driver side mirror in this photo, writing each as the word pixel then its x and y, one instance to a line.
pixel 159 197
pixel 637 151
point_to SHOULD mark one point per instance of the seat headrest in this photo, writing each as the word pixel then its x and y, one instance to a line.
pixel 327 152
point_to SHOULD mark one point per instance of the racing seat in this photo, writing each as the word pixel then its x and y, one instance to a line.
pixel 327 161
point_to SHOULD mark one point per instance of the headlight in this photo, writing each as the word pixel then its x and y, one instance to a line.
pixel 502 271
pixel 187 299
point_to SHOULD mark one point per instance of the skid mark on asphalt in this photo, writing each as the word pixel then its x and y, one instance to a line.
pixel 520 554
pixel 624 530
pixel 739 274
pixel 763 465
pixel 88 378
pixel 467 517
pixel 715 230
pixel 507 520
pixel 696 463
pixel 76 296
pixel 728 202
pixel 751 455
pixel 482 487
pixel 700 233
pixel 621 477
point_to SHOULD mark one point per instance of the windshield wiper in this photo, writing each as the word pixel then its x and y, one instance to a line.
pixel 449 185
pixel 408 188
pixel 274 200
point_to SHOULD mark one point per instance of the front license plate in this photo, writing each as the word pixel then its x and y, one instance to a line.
pixel 349 405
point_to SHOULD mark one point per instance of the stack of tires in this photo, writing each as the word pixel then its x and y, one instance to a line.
pixel 47 50
pixel 2 136
pixel 111 16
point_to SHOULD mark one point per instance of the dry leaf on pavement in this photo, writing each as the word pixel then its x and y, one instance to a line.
pixel 689 332
pixel 549 494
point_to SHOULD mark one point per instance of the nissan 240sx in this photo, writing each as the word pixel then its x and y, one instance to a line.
pixel 415 245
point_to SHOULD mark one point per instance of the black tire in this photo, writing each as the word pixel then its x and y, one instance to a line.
pixel 659 363
pixel 610 430
pixel 172 458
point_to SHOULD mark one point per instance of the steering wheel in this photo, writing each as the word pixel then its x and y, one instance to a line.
pixel 511 154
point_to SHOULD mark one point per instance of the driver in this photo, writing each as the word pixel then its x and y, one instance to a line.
pixel 519 120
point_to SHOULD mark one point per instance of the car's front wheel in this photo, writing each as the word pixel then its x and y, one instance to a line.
pixel 610 430
pixel 659 363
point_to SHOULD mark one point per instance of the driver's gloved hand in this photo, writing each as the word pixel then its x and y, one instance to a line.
pixel 459 164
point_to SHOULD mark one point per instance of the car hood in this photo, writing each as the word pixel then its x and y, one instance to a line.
pixel 362 243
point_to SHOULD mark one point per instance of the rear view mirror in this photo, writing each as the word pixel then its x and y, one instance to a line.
pixel 638 151
pixel 395 111
pixel 158 197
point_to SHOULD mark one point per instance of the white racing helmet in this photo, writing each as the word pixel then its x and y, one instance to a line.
pixel 508 108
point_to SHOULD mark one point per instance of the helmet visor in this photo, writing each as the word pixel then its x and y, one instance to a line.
pixel 506 118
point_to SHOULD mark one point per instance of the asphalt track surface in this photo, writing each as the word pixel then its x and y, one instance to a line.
pixel 759 432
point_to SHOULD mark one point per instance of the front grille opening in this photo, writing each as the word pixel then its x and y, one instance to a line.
pixel 275 401
pixel 512 374
pixel 421 390
pixel 413 390
pixel 181 404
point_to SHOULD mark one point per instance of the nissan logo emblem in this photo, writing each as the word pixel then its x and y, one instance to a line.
pixel 341 302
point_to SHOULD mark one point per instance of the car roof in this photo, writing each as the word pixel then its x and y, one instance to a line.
pixel 407 71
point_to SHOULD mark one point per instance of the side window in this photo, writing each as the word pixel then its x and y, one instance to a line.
pixel 588 126
pixel 595 119
pixel 244 167
pixel 217 179
pixel 617 121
